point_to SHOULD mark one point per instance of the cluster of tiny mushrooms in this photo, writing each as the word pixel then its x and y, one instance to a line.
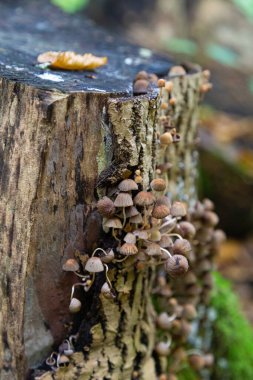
pixel 154 232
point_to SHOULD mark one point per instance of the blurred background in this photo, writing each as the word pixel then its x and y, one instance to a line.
pixel 217 35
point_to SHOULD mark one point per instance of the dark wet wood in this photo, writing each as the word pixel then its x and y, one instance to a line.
pixel 29 28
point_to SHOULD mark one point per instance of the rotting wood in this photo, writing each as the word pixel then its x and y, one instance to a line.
pixel 59 151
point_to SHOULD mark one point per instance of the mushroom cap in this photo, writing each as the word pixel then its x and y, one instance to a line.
pixel 164 321
pixel 142 234
pixel 106 207
pixel 113 223
pixel 123 200
pixel 160 211
pixel 131 211
pixel 128 249
pixel 130 238
pixel 187 229
pixel 144 198
pixel 162 348
pixel 178 209
pixel 71 265
pixel 176 265
pixel 63 359
pixel 182 247
pixel 165 241
pixel 166 138
pixel 177 71
pixel 197 362
pixel 141 75
pixel 75 305
pixel 163 200
pixel 127 185
pixel 109 257
pixel 189 311
pixel 94 265
pixel 158 184
pixel 140 86
pixel 155 235
pixel 153 249
pixel 106 291
pixel 136 219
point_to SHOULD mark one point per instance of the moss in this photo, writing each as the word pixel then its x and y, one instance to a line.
pixel 232 335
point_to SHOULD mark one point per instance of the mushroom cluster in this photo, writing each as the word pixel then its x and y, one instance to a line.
pixel 181 300
pixel 142 221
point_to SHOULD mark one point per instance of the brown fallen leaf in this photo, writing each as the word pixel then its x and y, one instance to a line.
pixel 69 60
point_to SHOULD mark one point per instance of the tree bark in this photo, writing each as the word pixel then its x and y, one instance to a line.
pixel 60 150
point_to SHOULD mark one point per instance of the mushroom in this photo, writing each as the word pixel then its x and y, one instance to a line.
pixel 75 305
pixel 71 265
pixel 127 185
pixel 158 184
pixel 160 211
pixel 123 200
pixel 178 209
pixel 176 265
pixel 144 199
pixel 164 320
pixel 130 238
pixel 163 348
pixel 182 247
pixel 106 207
pixel 114 223
pixel 128 249
pixel 153 249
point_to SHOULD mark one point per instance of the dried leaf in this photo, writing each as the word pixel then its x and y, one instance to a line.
pixel 71 61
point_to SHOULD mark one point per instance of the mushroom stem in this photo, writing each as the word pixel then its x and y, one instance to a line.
pixel 124 217
pixel 114 235
pixel 98 249
pixel 176 235
pixel 168 223
pixel 106 276
pixel 84 277
pixel 120 260
pixel 165 250
pixel 73 288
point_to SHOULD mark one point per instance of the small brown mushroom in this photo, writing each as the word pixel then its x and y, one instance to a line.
pixel 106 207
pixel 178 209
pixel 158 184
pixel 71 265
pixel 176 265
pixel 75 305
pixel 127 185
pixel 94 265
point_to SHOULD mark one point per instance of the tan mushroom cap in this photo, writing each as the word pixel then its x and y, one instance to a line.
pixel 128 249
pixel 94 265
pixel 128 185
pixel 136 219
pixel 165 242
pixel 163 200
pixel 131 211
pixel 106 207
pixel 155 235
pixel 176 265
pixel 71 265
pixel 178 209
pixel 109 257
pixel 158 184
pixel 130 238
pixel 142 234
pixel 113 223
pixel 123 200
pixel 153 249
pixel 75 305
pixel 160 211
pixel 144 198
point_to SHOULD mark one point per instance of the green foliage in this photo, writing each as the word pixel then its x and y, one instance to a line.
pixel 70 6
pixel 246 7
pixel 232 335
pixel 181 45
pixel 222 54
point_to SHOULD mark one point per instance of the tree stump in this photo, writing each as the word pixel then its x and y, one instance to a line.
pixel 65 138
